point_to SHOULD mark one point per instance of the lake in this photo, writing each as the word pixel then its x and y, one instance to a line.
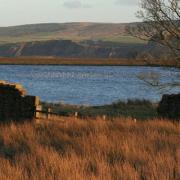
pixel 89 85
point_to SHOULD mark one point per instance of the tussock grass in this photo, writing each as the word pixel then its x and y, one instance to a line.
pixel 90 149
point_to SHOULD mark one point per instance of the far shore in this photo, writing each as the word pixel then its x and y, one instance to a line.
pixel 85 61
pixel 140 109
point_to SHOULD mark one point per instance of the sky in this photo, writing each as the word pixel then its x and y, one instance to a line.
pixel 17 12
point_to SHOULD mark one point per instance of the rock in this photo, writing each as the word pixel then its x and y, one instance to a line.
pixel 169 106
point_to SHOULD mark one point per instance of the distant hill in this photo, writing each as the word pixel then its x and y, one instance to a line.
pixel 96 40
pixel 83 49
pixel 67 31
pixel 68 48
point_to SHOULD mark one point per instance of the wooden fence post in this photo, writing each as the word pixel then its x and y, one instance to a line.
pixel 76 114
pixel 48 113
pixel 104 117
pixel 37 112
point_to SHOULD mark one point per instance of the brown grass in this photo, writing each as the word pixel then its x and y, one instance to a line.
pixel 86 61
pixel 90 149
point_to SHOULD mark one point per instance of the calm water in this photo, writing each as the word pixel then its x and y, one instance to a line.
pixel 89 85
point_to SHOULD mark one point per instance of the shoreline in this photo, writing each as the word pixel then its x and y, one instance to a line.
pixel 42 61
pixel 141 109
pixel 90 65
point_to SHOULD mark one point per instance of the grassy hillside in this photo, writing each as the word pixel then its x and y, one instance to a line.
pixel 72 31
pixel 90 149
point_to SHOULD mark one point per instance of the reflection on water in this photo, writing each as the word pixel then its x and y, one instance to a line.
pixel 88 84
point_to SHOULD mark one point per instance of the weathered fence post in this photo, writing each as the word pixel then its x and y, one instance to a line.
pixel 104 117
pixel 48 113
pixel 76 114
pixel 38 111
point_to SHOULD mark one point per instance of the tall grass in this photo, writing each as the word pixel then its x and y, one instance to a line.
pixel 90 149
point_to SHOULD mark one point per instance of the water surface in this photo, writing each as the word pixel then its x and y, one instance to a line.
pixel 90 85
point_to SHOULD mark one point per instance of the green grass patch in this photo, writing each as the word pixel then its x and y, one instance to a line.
pixel 140 109
pixel 123 39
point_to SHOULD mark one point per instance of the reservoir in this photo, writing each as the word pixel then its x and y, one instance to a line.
pixel 92 85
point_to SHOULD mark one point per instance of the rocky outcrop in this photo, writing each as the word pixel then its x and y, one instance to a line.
pixel 169 106
pixel 15 104
pixel 97 49
pixel 67 48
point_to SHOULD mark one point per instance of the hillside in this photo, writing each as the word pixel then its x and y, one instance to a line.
pixel 70 31
pixel 68 48
pixel 77 40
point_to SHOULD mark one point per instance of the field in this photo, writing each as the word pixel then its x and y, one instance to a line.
pixel 86 61
pixel 70 148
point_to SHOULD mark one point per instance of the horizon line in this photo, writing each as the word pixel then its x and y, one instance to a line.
pixel 70 22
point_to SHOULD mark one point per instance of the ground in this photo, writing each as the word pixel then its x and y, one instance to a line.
pixel 71 148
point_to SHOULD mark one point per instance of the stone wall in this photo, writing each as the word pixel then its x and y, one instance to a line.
pixel 15 104
pixel 169 106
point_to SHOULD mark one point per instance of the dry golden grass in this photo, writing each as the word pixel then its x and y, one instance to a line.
pixel 73 149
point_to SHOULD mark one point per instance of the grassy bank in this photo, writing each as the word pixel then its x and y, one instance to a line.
pixel 84 61
pixel 90 149
pixel 132 108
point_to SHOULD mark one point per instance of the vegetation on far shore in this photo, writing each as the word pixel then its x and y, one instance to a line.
pixel 139 109
pixel 90 149
pixel 86 61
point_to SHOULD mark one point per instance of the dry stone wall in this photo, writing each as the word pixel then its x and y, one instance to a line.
pixel 15 104
pixel 169 106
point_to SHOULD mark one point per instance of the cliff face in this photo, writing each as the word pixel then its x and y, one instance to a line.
pixel 67 48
